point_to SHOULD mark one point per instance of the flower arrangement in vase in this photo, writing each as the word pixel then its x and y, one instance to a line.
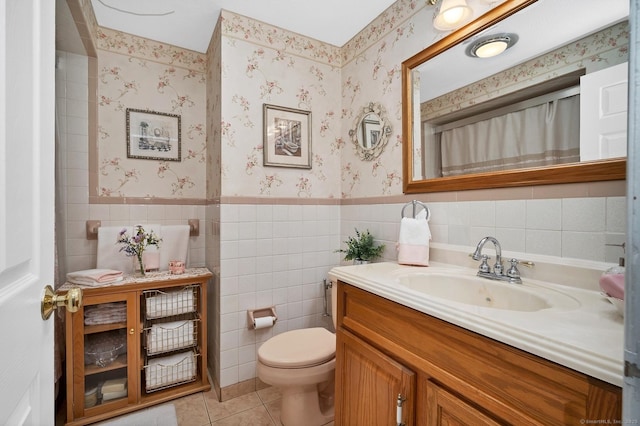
pixel 362 248
pixel 136 244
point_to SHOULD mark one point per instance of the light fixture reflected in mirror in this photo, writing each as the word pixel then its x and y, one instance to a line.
pixel 450 14
pixel 491 45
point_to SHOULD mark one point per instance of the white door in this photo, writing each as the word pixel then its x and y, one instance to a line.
pixel 603 113
pixel 27 99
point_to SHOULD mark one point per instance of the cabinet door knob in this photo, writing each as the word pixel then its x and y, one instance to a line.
pixel 132 331
pixel 51 301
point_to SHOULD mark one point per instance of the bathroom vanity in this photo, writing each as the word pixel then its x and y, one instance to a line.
pixel 406 358
pixel 136 343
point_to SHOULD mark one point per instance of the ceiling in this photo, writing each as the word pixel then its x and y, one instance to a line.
pixel 190 23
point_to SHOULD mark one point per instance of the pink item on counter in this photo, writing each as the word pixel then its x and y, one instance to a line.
pixel 151 260
pixel 176 267
pixel 613 285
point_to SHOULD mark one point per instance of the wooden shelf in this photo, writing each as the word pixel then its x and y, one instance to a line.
pixel 92 329
pixel 120 362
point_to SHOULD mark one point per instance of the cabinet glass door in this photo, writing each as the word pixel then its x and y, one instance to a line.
pixel 104 339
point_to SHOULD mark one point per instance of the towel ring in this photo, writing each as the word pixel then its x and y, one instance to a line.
pixel 416 208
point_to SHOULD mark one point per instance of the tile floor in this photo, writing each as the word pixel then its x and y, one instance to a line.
pixel 261 408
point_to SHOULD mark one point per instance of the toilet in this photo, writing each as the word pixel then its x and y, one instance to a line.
pixel 301 363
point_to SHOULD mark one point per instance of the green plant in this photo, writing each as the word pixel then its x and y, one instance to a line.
pixel 362 247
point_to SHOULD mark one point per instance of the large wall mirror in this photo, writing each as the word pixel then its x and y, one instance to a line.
pixel 566 65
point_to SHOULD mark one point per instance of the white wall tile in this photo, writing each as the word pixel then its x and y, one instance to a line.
pixel 246 371
pixel 543 242
pixel 228 376
pixel 583 214
pixel 616 213
pixel 459 235
pixel 512 239
pixel 459 214
pixel 229 358
pixel 583 245
pixel 511 214
pixel 544 214
pixel 482 214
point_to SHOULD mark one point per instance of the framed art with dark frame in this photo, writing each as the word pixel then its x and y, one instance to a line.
pixel 287 137
pixel 153 135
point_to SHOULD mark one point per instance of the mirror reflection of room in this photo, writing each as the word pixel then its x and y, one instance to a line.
pixel 565 104
pixel 540 125
pixel 370 130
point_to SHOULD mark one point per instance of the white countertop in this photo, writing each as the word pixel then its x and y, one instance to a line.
pixel 586 337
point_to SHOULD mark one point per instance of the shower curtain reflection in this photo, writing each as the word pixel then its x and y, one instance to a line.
pixel 537 136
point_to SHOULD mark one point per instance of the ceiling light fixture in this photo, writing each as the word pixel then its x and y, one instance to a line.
pixel 450 14
pixel 492 45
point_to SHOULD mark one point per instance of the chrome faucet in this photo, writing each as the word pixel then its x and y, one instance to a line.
pixel 484 270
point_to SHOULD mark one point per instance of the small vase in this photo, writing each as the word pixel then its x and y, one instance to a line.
pixel 360 261
pixel 138 266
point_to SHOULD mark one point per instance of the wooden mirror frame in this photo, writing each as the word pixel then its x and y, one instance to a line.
pixel 592 171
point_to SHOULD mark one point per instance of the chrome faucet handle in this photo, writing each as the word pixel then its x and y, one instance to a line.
pixel 484 266
pixel 527 263
pixel 513 271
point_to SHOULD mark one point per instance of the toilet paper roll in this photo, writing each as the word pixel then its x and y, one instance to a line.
pixel 263 322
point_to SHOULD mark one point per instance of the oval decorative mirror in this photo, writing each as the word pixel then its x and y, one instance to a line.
pixel 371 131
pixel 453 99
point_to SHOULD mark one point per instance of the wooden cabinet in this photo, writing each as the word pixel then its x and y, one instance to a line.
pixel 447 409
pixel 449 375
pixel 136 343
pixel 379 382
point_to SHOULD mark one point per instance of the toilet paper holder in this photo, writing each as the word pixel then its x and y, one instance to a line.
pixel 253 314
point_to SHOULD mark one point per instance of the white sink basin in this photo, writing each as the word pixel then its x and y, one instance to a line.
pixel 485 293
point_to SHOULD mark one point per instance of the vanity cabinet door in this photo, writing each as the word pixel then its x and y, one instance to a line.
pixel 368 384
pixel 447 409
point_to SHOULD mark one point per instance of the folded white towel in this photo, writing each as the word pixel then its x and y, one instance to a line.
pixel 164 371
pixel 94 276
pixel 170 336
pixel 171 303
pixel 413 241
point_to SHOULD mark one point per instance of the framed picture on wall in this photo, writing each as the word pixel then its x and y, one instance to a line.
pixel 153 135
pixel 287 137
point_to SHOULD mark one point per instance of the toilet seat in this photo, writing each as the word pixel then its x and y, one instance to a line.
pixel 298 348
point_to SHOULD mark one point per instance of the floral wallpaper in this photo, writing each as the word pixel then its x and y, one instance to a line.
pixel 262 64
pixel 220 97
pixel 138 73
pixel 371 72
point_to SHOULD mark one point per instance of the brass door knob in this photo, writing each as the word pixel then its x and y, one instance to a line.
pixel 72 300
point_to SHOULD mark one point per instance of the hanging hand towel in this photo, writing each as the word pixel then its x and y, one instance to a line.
pixel 413 241
pixel 175 244
pixel 109 255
